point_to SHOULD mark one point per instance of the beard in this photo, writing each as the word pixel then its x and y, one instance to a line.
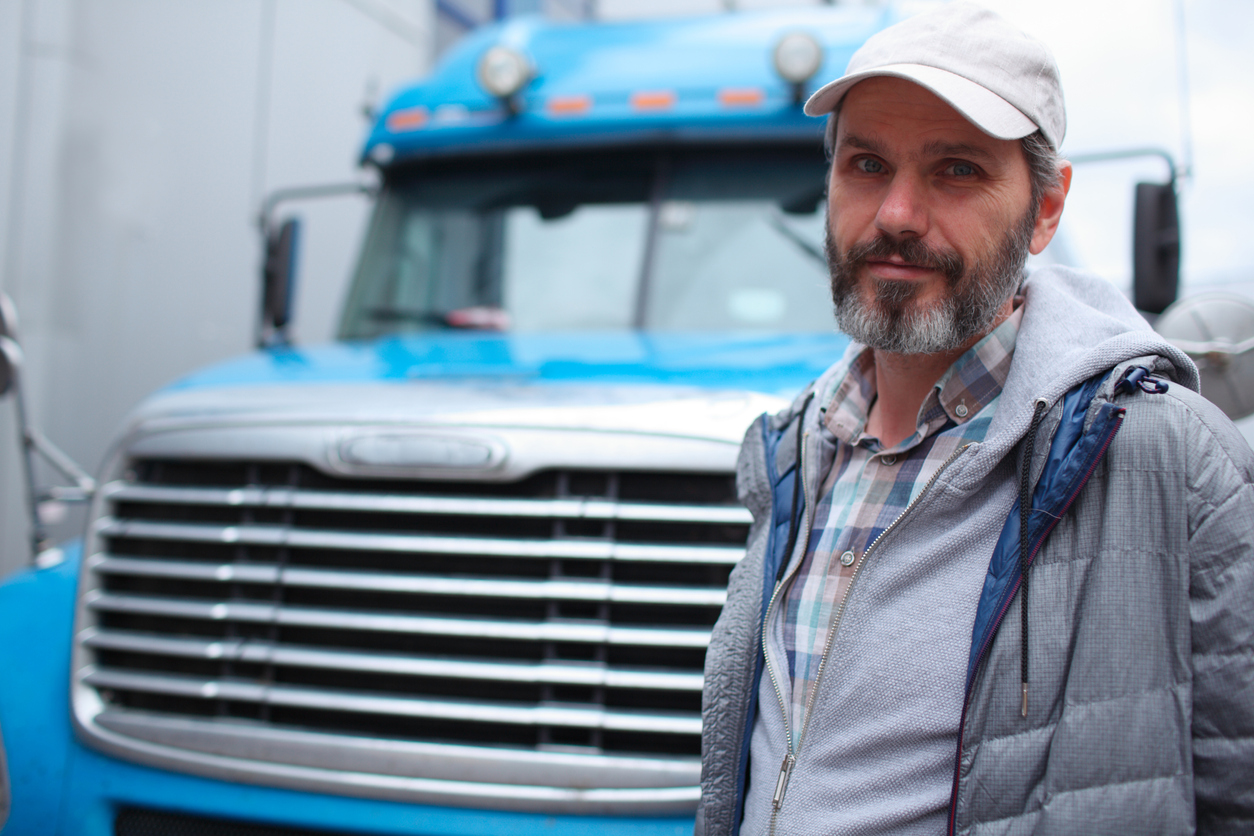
pixel 894 320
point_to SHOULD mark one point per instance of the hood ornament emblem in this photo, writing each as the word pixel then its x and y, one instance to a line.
pixel 394 452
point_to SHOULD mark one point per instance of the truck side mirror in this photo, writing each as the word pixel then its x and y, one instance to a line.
pixel 1155 247
pixel 10 354
pixel 278 281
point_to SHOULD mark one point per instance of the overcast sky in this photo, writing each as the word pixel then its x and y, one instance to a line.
pixel 1121 71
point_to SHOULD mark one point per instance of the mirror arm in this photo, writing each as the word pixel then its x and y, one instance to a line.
pixel 1173 173
pixel 38 532
pixel 265 217
pixel 35 443
pixel 84 485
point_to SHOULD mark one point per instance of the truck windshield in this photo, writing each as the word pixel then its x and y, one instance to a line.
pixel 708 240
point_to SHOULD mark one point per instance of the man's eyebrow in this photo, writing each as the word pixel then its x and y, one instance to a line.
pixel 935 148
pixel 862 143
pixel 940 148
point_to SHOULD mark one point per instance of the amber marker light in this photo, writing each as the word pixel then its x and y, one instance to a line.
pixel 653 100
pixel 741 96
pixel 568 105
pixel 409 119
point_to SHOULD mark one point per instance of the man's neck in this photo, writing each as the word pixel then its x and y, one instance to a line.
pixel 902 382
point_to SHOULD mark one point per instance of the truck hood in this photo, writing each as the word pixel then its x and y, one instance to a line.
pixel 771 364
pixel 672 385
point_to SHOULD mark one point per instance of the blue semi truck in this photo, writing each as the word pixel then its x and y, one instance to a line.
pixel 454 573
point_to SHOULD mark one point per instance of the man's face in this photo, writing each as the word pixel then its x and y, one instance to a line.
pixel 929 221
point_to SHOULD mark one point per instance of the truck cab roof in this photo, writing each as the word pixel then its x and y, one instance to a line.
pixel 680 80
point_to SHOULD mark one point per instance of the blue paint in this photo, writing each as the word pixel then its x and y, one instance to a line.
pixel 773 364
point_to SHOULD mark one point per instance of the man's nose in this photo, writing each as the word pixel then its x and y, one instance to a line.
pixel 903 211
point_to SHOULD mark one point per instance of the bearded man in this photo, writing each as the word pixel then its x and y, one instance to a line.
pixel 1001 572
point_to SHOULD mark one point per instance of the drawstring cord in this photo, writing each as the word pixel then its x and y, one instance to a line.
pixel 1134 377
pixel 1025 511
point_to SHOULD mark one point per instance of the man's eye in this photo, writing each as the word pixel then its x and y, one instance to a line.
pixel 961 169
pixel 869 166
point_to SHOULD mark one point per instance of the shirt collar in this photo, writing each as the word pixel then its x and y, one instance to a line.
pixel 969 385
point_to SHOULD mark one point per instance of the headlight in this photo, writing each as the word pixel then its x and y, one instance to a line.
pixel 797 57
pixel 503 71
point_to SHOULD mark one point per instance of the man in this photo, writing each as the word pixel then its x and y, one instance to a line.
pixel 1001 572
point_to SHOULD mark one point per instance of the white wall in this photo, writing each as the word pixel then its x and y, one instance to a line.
pixel 137 138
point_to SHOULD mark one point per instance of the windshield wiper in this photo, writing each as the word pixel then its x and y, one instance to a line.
pixel 780 226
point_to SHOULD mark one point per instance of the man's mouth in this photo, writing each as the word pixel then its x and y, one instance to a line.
pixel 898 269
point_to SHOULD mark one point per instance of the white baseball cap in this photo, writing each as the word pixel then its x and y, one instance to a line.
pixel 1002 80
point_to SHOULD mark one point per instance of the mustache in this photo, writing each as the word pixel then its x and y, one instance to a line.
pixel 910 250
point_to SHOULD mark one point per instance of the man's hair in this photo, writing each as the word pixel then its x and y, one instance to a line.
pixel 1043 160
pixel 1043 167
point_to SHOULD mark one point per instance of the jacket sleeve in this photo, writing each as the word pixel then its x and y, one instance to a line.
pixel 730 658
pixel 1221 605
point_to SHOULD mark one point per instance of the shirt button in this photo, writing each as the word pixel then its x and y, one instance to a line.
pixel 847 559
pixel 889 460
pixel 961 410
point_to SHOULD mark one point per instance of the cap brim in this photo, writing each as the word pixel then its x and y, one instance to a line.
pixel 981 107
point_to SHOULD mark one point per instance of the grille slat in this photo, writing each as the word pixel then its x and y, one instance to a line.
pixel 271 535
pixel 258 652
pixel 566 590
pixel 349 701
pixel 485 629
pixel 329 501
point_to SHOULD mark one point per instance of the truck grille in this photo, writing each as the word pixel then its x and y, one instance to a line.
pixel 568 612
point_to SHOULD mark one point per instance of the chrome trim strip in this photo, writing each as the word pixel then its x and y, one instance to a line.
pixel 270 535
pixel 475 794
pixel 305 617
pixel 262 652
pixel 570 716
pixel 589 509
pixel 257 742
pixel 418 584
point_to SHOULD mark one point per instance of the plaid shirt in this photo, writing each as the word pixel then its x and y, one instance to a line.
pixel 868 487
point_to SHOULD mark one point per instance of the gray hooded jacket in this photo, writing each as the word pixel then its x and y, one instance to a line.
pixel 1141 611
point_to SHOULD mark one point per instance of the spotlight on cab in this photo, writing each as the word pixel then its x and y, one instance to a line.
pixel 797 57
pixel 503 72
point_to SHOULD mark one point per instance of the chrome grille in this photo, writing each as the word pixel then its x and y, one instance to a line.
pixel 565 613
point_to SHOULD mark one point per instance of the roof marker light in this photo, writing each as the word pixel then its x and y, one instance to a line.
pixel 502 71
pixel 570 104
pixel 797 58
pixel 653 100
pixel 741 96
pixel 409 119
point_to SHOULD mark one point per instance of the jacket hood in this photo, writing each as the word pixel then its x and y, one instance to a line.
pixel 1075 325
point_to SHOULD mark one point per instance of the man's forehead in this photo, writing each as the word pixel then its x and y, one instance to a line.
pixel 881 111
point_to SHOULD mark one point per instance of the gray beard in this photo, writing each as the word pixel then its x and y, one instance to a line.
pixel 894 321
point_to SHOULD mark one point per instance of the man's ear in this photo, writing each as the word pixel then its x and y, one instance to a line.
pixel 1051 209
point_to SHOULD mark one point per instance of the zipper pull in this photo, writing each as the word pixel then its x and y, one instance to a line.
pixel 784 771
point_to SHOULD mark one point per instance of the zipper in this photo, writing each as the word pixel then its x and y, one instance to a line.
pixel 988 639
pixel 785 770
